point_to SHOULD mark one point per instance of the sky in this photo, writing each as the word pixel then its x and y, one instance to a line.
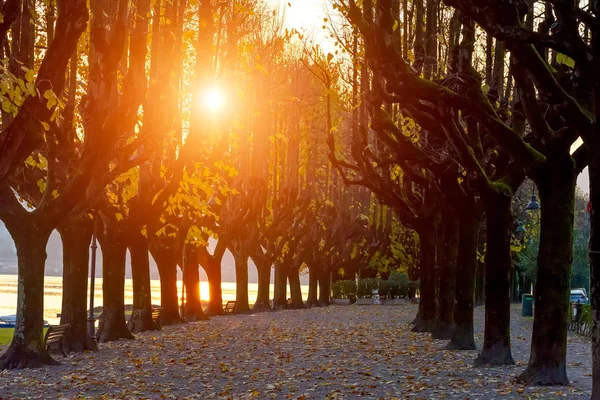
pixel 306 16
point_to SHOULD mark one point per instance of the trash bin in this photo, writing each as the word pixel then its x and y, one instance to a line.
pixel 527 305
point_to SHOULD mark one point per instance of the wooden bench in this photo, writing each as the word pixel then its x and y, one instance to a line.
pixel 156 316
pixel 54 338
pixel 229 307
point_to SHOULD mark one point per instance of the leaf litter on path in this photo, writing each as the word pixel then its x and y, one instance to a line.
pixel 336 352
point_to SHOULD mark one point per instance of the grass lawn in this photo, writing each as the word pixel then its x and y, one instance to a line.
pixel 6 335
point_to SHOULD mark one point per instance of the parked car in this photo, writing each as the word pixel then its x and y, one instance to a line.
pixel 578 296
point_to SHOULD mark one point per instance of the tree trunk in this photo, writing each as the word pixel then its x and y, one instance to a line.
pixel 324 287
pixel 166 261
pixel 594 248
pixel 480 282
pixel 425 317
pixel 295 289
pixel 193 304
pixel 112 323
pixel 462 338
pixel 213 272
pixel 547 362
pixel 141 317
pixel 27 347
pixel 76 236
pixel 312 300
pixel 280 290
pixel 446 278
pixel 264 284
pixel 496 343
pixel 241 284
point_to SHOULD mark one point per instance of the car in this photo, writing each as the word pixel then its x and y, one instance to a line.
pixel 578 296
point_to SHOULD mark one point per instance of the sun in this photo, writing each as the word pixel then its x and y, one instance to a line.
pixel 213 99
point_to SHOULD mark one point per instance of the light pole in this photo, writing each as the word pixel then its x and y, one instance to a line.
pixel 533 206
pixel 183 266
pixel 91 319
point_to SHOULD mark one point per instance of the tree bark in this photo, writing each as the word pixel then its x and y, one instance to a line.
pixel 425 317
pixel 141 317
pixel 295 289
pixel 313 284
pixel 496 343
pixel 213 272
pixel 114 251
pixel 241 284
pixel 446 278
pixel 193 304
pixel 27 347
pixel 547 362
pixel 280 290
pixel 463 338
pixel 324 287
pixel 594 248
pixel 76 236
pixel 166 261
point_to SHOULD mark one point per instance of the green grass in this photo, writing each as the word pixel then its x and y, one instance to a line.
pixel 6 335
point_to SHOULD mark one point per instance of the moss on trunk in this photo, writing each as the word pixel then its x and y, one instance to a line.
pixel 27 347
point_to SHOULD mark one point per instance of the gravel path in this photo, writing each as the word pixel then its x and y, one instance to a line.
pixel 337 352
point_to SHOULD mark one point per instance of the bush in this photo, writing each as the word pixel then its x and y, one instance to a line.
pixel 366 287
pixel 404 287
pixel 343 289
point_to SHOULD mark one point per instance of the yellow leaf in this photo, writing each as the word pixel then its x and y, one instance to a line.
pixel 55 194
pixel 119 216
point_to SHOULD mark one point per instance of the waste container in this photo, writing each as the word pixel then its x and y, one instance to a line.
pixel 527 305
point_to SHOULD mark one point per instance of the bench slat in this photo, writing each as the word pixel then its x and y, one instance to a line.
pixel 54 337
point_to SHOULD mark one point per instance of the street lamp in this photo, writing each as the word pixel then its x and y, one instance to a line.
pixel 533 206
pixel 91 319
pixel 533 203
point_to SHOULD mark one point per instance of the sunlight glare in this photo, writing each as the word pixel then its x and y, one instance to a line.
pixel 213 99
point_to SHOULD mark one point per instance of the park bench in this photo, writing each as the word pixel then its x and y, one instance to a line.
pixel 229 307
pixel 54 338
pixel 156 316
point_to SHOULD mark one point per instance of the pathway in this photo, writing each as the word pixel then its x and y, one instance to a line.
pixel 338 352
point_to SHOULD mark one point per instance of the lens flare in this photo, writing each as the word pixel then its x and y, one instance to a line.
pixel 213 99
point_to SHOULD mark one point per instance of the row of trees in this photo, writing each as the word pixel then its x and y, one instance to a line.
pixel 105 129
pixel 440 111
pixel 466 99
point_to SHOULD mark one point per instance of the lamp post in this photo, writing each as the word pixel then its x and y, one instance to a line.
pixel 533 206
pixel 91 319
pixel 183 267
